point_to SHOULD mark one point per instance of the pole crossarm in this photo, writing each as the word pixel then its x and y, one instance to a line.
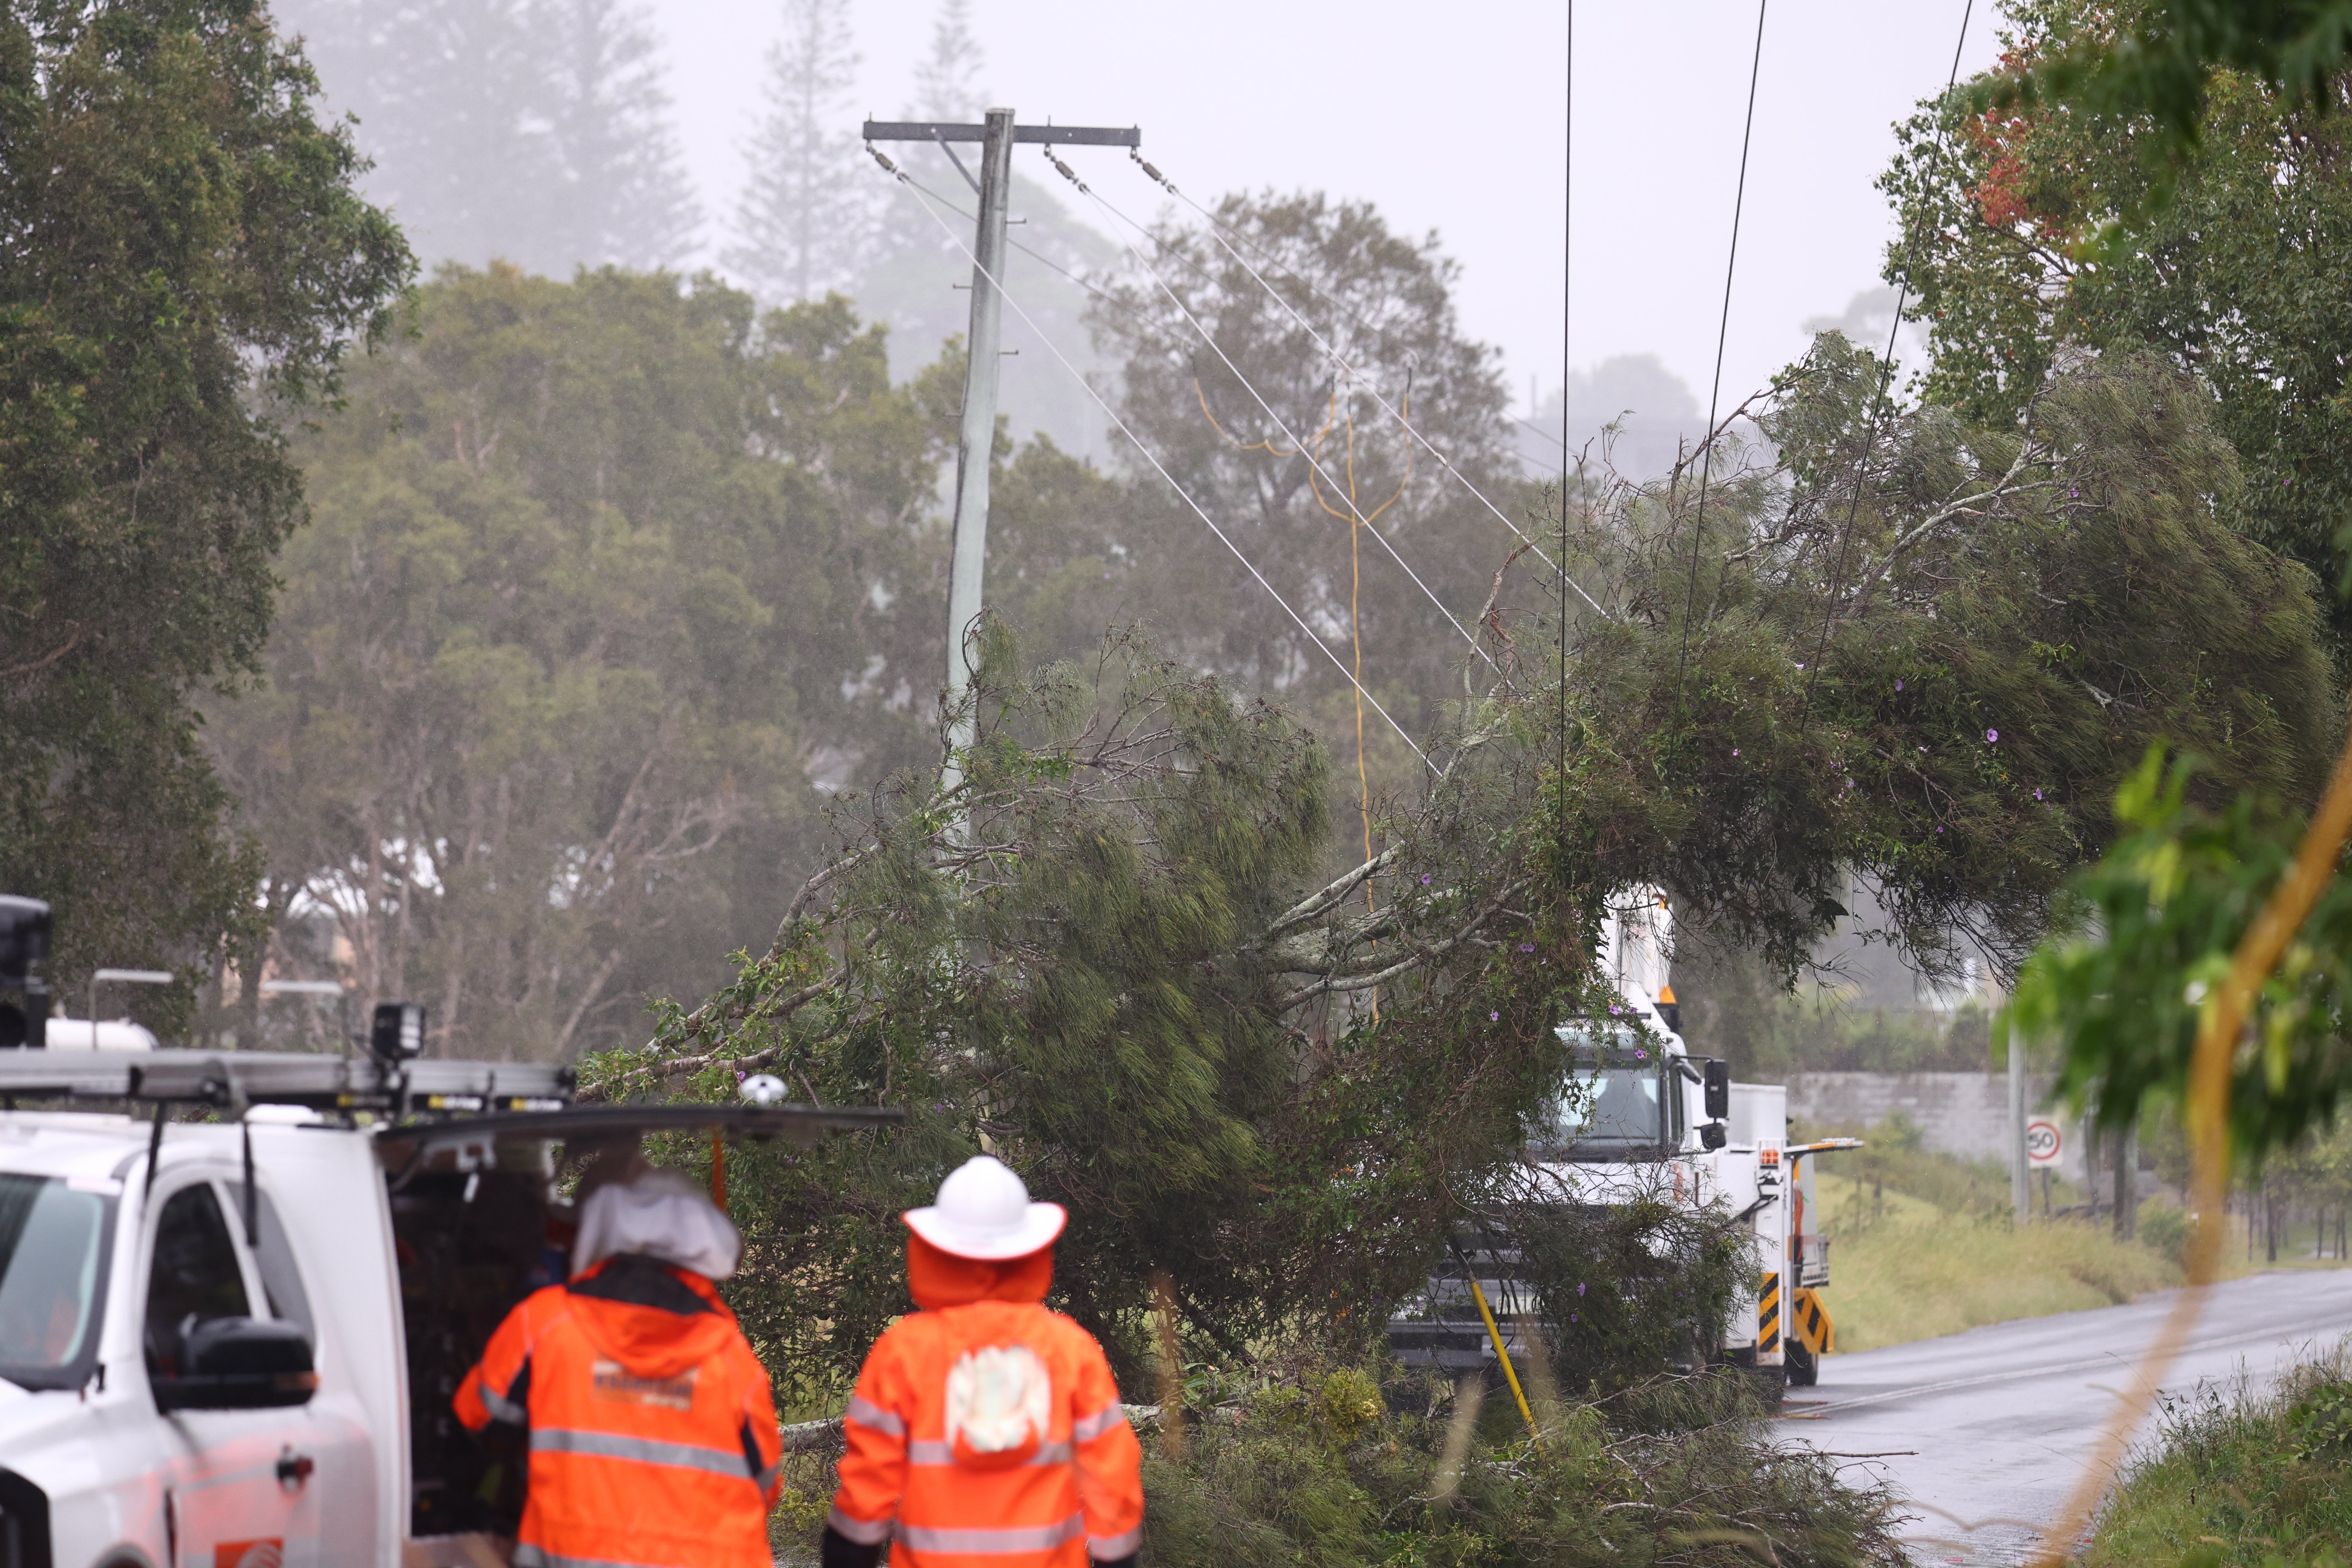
pixel 1064 135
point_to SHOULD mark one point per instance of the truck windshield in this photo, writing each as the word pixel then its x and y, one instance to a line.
pixel 51 1246
pixel 1614 1104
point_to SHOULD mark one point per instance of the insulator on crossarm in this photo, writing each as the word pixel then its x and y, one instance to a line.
pixel 1068 173
pixel 1157 178
pixel 882 158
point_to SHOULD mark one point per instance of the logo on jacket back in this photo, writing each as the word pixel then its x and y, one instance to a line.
pixel 1000 1406
pixel 614 1382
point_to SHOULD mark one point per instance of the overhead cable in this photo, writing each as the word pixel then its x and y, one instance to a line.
pixel 1054 348
pixel 1313 461
pixel 1722 335
pixel 1216 223
pixel 1885 374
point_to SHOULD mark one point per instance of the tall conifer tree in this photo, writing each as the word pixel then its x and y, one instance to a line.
pixel 537 130
pixel 803 222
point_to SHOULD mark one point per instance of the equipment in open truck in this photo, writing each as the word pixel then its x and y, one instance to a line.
pixel 231 1342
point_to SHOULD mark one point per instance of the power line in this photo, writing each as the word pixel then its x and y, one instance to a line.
pixel 1567 297
pixel 1722 335
pixel 1313 461
pixel 1276 295
pixel 1054 348
pixel 1885 374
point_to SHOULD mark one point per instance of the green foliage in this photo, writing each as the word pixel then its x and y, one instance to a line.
pixel 1395 328
pixel 2240 1477
pixel 1625 1289
pixel 2241 278
pixel 185 263
pixel 2158 61
pixel 2162 912
pixel 1306 1468
pixel 600 573
pixel 1292 1455
pixel 1942 696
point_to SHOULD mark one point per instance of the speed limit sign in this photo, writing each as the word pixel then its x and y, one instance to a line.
pixel 2042 1141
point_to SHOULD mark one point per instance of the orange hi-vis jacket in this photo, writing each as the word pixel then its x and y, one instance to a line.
pixel 653 1435
pixel 986 1431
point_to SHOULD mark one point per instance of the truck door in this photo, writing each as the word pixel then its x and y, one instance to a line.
pixel 240 1493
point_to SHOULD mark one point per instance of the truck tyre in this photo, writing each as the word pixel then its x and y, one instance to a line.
pixel 1770 1384
pixel 1804 1367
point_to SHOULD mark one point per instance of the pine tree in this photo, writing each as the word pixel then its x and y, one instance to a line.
pixel 803 222
pixel 625 196
pixel 537 130
pixel 451 99
pixel 947 84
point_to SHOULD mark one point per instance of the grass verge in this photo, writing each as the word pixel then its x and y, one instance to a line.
pixel 2236 1476
pixel 1904 1268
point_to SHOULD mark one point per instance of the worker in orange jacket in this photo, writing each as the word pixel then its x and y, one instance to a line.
pixel 652 1431
pixel 985 1431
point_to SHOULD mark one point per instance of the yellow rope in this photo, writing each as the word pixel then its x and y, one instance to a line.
pixel 1356 519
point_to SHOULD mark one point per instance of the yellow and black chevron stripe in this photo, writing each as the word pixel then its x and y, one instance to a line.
pixel 1812 1322
pixel 1767 1313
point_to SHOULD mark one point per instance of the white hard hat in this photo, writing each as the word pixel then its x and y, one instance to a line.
pixel 985 1213
pixel 663 1215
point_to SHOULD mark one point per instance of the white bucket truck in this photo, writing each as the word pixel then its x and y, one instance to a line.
pixel 231 1343
pixel 1640 1116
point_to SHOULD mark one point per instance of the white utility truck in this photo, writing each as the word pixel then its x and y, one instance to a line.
pixel 232 1342
pixel 1640 1116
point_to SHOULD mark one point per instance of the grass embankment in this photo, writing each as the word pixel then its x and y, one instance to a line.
pixel 1921 1245
pixel 1298 1461
pixel 2238 1477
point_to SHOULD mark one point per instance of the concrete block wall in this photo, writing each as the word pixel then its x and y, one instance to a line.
pixel 1964 1114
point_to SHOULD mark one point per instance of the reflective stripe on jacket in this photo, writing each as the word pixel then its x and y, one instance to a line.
pixel 653 1435
pixel 937 1466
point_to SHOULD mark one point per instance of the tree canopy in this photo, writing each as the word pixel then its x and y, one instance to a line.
pixel 602 576
pixel 184 262
pixel 2240 279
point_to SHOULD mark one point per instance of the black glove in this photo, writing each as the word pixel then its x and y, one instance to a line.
pixel 837 1550
pixel 1130 1561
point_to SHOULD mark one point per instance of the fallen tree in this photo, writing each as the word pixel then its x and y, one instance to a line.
pixel 1116 955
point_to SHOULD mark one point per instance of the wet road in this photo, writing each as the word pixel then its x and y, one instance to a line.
pixel 2001 1420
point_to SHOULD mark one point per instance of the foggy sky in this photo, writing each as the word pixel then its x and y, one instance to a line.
pixel 1451 118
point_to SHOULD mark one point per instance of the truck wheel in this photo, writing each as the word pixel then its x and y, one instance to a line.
pixel 1770 1384
pixel 1804 1367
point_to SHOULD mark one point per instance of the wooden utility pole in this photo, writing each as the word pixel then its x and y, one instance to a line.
pixel 997 137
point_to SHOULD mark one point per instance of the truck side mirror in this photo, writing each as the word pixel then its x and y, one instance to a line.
pixel 239 1363
pixel 1718 1091
pixel 396 1033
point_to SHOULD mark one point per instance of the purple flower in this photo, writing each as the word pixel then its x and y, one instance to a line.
pixel 1498 1017
pixel 2037 795
pixel 1735 750
pixel 1526 947
pixel 1898 685
pixel 1939 829
pixel 1579 1286
pixel 1800 666
pixel 1424 879
pixel 1991 737
pixel 1612 1006
pixel 1640 1056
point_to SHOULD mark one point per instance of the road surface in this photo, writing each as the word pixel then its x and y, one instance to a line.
pixel 2001 1420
